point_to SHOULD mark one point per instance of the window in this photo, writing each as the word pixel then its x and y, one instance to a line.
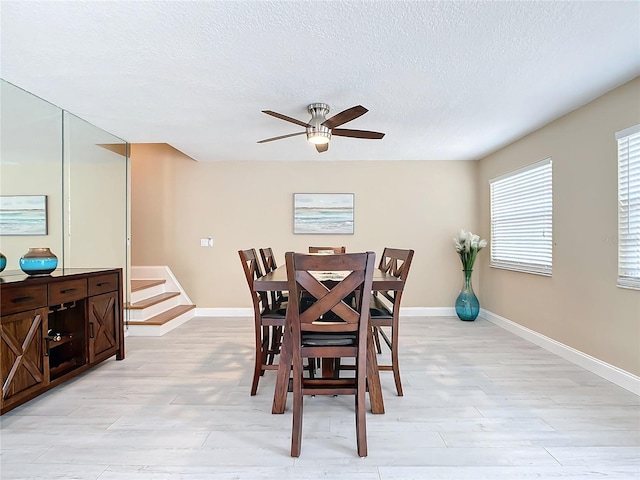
pixel 521 219
pixel 629 207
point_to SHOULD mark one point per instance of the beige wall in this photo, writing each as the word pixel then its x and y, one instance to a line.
pixel 176 201
pixel 152 202
pixel 579 305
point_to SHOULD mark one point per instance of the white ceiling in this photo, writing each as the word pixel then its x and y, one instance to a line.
pixel 444 80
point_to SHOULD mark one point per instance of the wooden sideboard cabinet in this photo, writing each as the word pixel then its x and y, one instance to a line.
pixel 53 327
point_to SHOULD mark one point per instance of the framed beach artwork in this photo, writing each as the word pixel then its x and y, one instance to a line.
pixel 323 213
pixel 23 214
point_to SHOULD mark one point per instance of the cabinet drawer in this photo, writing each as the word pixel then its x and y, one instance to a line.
pixel 13 300
pixel 103 284
pixel 67 291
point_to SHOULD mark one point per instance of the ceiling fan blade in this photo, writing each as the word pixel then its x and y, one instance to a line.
pixel 344 132
pixel 322 147
pixel 281 137
pixel 284 117
pixel 345 116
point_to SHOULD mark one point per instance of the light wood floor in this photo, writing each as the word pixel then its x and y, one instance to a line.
pixel 480 403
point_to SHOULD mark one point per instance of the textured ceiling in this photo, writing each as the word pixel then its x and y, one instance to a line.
pixel 444 80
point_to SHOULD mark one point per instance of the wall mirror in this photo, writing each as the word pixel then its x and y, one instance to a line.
pixel 83 172
pixel 31 164
pixel 95 196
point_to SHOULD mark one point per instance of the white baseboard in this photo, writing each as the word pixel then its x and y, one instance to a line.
pixel 609 372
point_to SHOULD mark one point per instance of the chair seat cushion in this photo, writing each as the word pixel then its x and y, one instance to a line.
pixel 279 310
pixel 379 309
pixel 313 339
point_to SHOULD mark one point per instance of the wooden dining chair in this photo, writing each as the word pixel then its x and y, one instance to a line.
pixel 385 308
pixel 328 249
pixel 270 264
pixel 344 335
pixel 269 320
pixel 268 259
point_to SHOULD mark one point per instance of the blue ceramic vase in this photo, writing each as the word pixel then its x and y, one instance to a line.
pixel 3 262
pixel 467 304
pixel 38 261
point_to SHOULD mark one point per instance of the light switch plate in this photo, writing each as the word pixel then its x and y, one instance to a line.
pixel 206 242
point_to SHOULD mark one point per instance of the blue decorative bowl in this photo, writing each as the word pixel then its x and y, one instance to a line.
pixel 3 262
pixel 38 261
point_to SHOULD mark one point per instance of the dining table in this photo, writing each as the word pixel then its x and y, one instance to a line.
pixel 277 280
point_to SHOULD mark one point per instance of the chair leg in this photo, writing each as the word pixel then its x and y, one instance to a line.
pixel 264 349
pixel 296 429
pixel 311 366
pixel 256 376
pixel 361 415
pixel 257 369
pixel 275 343
pixel 376 339
pixel 278 340
pixel 272 335
pixel 395 364
pixel 336 368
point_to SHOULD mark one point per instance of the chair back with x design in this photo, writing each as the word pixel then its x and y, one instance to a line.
pixel 331 326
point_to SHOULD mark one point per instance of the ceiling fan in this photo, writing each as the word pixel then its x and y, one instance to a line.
pixel 320 128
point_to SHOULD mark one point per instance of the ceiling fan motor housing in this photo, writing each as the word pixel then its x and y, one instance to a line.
pixel 318 133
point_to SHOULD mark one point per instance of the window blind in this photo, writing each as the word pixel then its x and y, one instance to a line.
pixel 521 219
pixel 629 207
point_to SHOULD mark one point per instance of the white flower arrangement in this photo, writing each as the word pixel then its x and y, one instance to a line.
pixel 468 245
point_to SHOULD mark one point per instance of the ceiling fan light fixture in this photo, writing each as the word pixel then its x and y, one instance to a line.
pixel 318 138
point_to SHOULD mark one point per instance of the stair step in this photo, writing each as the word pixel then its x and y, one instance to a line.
pixel 148 302
pixel 165 316
pixel 137 285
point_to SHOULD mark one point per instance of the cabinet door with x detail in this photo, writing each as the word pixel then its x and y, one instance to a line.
pixel 23 361
pixel 103 326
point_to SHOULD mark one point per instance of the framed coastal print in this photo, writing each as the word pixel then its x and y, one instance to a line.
pixel 23 214
pixel 323 213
